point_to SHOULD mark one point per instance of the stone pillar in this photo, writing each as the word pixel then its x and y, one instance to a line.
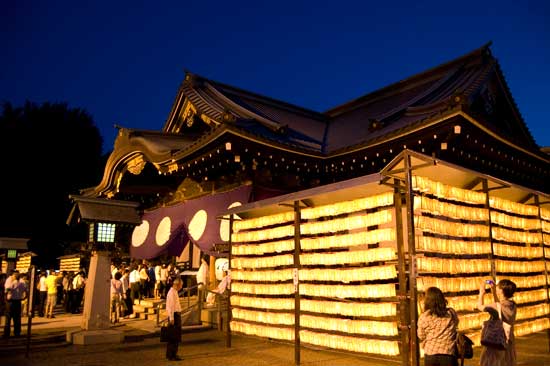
pixel 97 293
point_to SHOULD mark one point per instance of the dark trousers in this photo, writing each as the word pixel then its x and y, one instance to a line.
pixel 142 289
pixel 135 291
pixel 42 296
pixel 173 344
pixel 76 300
pixel 13 312
pixel 440 360
pixel 129 303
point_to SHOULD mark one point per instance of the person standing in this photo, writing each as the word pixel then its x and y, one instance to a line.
pixel 65 290
pixel 134 285
pixel 125 279
pixel 15 291
pixel 143 281
pixel 157 281
pixel 173 310
pixel 51 285
pixel 2 296
pixel 202 278
pixel 163 281
pixel 78 288
pixel 42 293
pixel 437 330
pixel 505 308
pixel 116 298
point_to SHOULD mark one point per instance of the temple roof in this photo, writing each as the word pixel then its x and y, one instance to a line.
pixel 471 87
pixel 372 118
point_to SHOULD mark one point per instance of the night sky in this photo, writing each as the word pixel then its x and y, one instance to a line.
pixel 123 61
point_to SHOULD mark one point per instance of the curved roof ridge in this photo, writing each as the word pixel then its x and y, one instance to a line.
pixel 246 112
pixel 508 93
pixel 260 97
pixel 416 98
pixel 392 88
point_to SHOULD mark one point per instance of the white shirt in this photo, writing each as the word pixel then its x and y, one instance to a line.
pixel 172 303
pixel 157 272
pixel 125 282
pixel 134 276
pixel 202 274
pixel 78 282
pixel 43 287
pixel 164 274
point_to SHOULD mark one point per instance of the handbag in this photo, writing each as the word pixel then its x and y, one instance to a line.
pixel 493 335
pixel 465 346
pixel 167 333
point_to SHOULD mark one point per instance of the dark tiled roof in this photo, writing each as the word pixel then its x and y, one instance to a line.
pixel 402 104
pixel 394 109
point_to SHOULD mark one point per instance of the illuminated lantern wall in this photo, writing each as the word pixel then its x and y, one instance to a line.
pixel 453 242
pixel 347 273
pixel 347 276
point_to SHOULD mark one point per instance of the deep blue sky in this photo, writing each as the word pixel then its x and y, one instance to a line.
pixel 123 61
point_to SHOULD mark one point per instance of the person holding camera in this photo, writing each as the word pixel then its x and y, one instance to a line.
pixel 505 308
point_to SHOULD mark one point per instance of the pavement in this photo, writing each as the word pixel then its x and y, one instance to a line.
pixel 142 346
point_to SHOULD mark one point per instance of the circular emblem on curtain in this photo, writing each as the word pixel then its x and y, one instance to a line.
pixel 224 224
pixel 198 224
pixel 163 231
pixel 140 234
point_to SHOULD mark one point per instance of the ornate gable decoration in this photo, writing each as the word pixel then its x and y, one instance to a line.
pixel 190 120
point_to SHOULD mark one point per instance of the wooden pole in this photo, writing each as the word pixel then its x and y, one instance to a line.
pixel 228 328
pixel 414 355
pixel 297 220
pixel 492 255
pixel 30 307
pixel 402 276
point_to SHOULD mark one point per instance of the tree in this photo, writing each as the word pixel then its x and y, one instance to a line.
pixel 47 152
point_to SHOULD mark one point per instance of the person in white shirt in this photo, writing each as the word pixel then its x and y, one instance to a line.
pixel 163 281
pixel 15 292
pixel 202 278
pixel 157 281
pixel 134 284
pixel 173 310
pixel 78 287
pixel 42 293
pixel 222 287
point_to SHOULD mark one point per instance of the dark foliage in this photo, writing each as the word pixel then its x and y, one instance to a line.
pixel 47 152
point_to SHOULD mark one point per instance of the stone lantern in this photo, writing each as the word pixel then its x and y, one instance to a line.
pixel 104 219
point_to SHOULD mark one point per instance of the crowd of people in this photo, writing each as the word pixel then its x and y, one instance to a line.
pixel 138 281
pixel 437 326
pixel 51 288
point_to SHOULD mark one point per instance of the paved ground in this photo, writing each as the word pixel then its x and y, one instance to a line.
pixel 142 347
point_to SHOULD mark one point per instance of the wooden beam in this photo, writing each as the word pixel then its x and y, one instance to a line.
pixel 414 355
pixel 470 186
pixel 403 328
pixel 297 221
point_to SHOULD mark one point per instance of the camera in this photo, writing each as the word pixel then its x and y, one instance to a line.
pixel 489 282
